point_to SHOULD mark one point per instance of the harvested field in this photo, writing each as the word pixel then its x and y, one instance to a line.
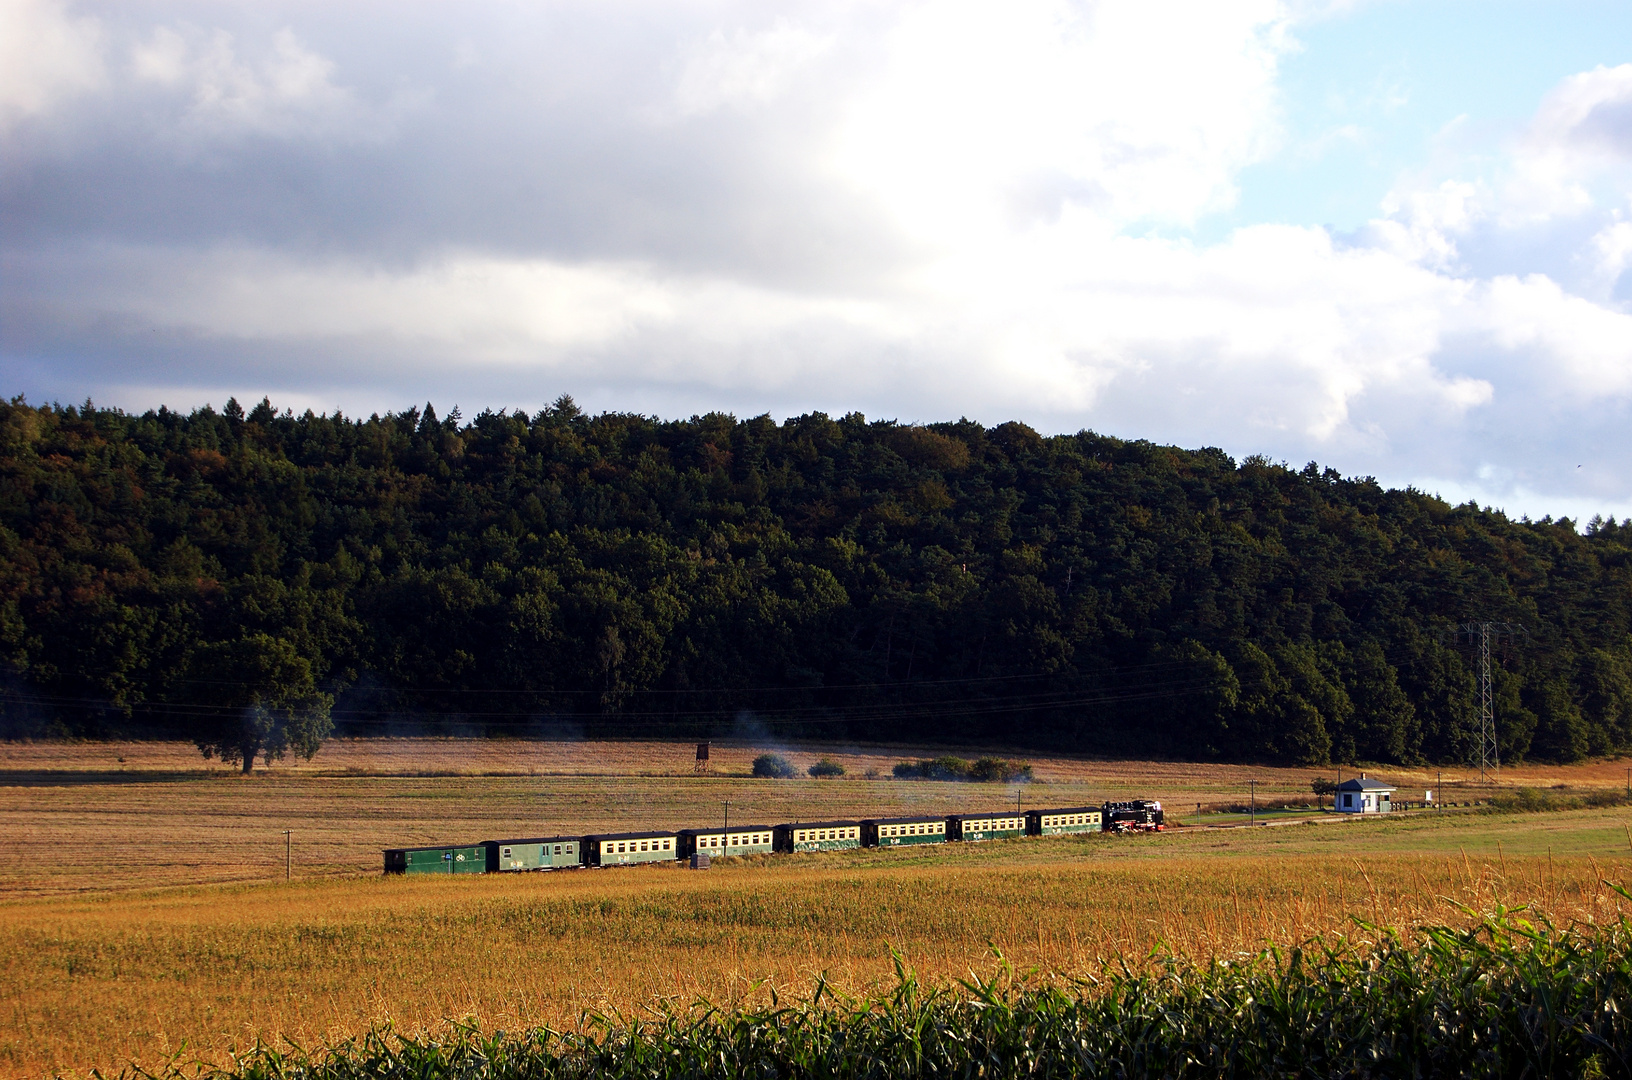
pixel 99 980
pixel 151 908
pixel 522 757
pixel 163 816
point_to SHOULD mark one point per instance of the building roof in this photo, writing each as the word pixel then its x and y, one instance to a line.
pixel 1066 810
pixel 1363 784
pixel 818 824
pixel 537 840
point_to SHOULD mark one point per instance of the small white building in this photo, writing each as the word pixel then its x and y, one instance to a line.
pixel 1364 796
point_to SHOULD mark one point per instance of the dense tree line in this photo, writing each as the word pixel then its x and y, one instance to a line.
pixel 247 580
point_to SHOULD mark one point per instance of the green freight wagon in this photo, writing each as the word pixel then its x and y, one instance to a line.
pixel 971 827
pixel 625 849
pixel 817 836
pixel 1066 819
pixel 536 853
pixel 737 840
pixel 893 832
pixel 436 860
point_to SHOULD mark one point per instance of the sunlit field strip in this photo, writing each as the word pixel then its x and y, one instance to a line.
pixel 101 980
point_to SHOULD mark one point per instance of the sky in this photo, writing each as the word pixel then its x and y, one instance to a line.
pixel 1390 236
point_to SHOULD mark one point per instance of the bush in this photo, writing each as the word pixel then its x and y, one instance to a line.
pixel 825 768
pixel 1538 800
pixel 1000 770
pixel 774 766
pixel 955 768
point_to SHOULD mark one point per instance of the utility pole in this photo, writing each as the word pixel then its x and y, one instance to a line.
pixel 1252 786
pixel 1479 635
pixel 288 853
pixel 728 816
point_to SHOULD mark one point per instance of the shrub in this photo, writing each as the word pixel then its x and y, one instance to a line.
pixel 1000 770
pixel 774 766
pixel 956 768
pixel 825 768
pixel 1539 800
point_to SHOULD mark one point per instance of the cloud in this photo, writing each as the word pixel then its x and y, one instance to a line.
pixel 747 70
pixel 915 210
pixel 46 58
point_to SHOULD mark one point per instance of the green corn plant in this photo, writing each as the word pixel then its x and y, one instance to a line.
pixel 1510 996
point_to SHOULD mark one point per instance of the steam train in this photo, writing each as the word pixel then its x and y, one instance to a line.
pixel 702 844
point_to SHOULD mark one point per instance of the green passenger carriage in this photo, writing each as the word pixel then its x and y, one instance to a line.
pixel 817 836
pixel 737 840
pixel 535 853
pixel 471 859
pixel 1065 819
pixel 894 832
pixel 971 827
pixel 625 849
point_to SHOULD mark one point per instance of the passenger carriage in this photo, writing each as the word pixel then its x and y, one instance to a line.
pixel 626 849
pixel 975 827
pixel 895 832
pixel 1065 819
pixel 536 853
pixel 737 840
pixel 817 836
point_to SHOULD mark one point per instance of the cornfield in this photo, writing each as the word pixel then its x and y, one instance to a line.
pixel 1506 997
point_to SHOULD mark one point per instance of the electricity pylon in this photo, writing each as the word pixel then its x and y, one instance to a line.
pixel 1479 635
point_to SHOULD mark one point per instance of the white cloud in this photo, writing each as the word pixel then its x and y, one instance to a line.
pixel 1585 350
pixel 46 57
pixel 983 118
pixel 746 69
pixel 918 210
pixel 287 90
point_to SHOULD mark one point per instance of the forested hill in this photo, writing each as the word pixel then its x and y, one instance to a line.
pixel 819 578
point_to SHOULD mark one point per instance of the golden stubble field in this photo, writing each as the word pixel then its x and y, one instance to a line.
pixel 130 815
pixel 144 909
